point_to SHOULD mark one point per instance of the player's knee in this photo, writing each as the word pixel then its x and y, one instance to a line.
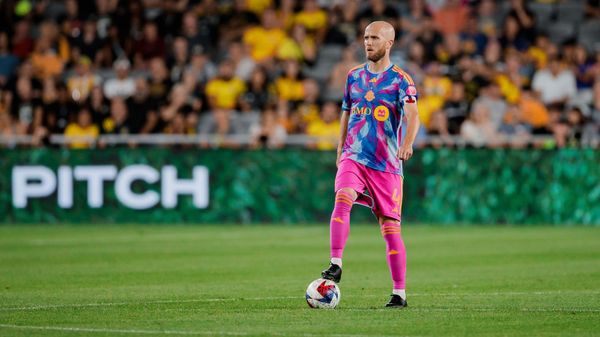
pixel 347 191
pixel 389 226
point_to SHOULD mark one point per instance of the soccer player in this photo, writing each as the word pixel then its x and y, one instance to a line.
pixel 378 95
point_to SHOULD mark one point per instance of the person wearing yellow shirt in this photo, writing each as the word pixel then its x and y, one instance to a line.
pixel 224 91
pixel 263 40
pixel 290 87
pixel 436 89
pixel 326 129
pixel 83 128
pixel 45 61
pixel 299 46
pixel 313 18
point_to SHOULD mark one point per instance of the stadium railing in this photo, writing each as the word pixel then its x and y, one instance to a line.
pixel 241 140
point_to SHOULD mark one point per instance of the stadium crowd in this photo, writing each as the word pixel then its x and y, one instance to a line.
pixel 488 73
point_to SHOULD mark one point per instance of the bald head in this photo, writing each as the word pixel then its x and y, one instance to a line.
pixel 382 28
pixel 379 38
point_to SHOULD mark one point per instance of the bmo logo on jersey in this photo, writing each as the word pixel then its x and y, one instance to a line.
pixel 36 181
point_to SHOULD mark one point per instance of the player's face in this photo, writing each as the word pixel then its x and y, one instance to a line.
pixel 375 45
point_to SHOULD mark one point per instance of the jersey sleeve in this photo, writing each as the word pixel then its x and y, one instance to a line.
pixel 408 90
pixel 347 102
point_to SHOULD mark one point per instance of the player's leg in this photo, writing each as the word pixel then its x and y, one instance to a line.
pixel 386 189
pixel 349 181
pixel 396 259
pixel 339 225
pixel 339 228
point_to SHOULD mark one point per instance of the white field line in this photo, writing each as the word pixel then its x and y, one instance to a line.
pixel 174 332
pixel 241 299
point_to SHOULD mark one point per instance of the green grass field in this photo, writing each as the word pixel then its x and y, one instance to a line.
pixel 250 281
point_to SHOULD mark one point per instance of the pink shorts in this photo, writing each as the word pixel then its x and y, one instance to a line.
pixel 381 191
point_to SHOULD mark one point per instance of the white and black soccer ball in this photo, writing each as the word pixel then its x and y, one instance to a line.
pixel 322 293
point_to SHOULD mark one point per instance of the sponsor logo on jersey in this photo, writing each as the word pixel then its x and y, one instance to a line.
pixel 381 113
pixel 361 110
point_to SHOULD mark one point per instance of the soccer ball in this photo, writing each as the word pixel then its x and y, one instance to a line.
pixel 322 293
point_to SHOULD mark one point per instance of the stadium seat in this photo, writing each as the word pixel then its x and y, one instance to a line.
pixel 544 13
pixel 560 31
pixel 589 32
pixel 570 11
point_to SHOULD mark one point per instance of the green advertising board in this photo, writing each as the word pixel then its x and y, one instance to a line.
pixel 162 185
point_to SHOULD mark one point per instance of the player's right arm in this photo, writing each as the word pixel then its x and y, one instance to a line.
pixel 346 105
pixel 343 134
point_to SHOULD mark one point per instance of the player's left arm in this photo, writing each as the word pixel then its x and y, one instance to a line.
pixel 412 121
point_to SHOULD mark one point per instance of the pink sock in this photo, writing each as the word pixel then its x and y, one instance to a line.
pixel 339 227
pixel 396 252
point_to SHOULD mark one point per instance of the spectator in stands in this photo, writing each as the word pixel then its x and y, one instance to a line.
pixel 334 34
pixel 243 63
pixel 584 71
pixel 236 20
pixel 22 43
pixel 8 128
pixel 555 84
pixel 412 22
pixel 289 86
pixel 491 97
pixel 123 85
pixel 313 18
pixel 472 39
pixel 514 129
pixel 225 90
pixel 511 36
pixel 326 129
pixel 452 17
pixel 263 40
pixel 525 20
pixel 430 38
pixel 511 81
pixel 99 105
pixel 159 83
pixel 220 124
pixel 201 66
pixel 8 61
pixel 269 132
pixel 83 132
pixel 479 130
pixel 436 89
pixel 348 24
pixel 308 109
pixel 88 42
pixel 488 18
pixel 298 47
pixel 26 108
pixel 178 59
pixel 534 112
pixel 150 46
pixel 592 9
pixel 437 133
pixel 378 10
pixel 259 92
pixel 339 74
pixel 80 85
pixel 117 122
pixel 577 125
pixel 455 110
pixel 45 60
pixel 143 115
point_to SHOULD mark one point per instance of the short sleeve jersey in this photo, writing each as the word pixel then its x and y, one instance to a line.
pixel 375 103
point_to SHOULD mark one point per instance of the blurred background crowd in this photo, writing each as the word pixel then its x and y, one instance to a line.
pixel 260 72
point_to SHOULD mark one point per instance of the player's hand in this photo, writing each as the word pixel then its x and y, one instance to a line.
pixel 337 160
pixel 405 152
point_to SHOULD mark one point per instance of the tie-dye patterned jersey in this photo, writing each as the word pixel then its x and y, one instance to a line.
pixel 375 103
